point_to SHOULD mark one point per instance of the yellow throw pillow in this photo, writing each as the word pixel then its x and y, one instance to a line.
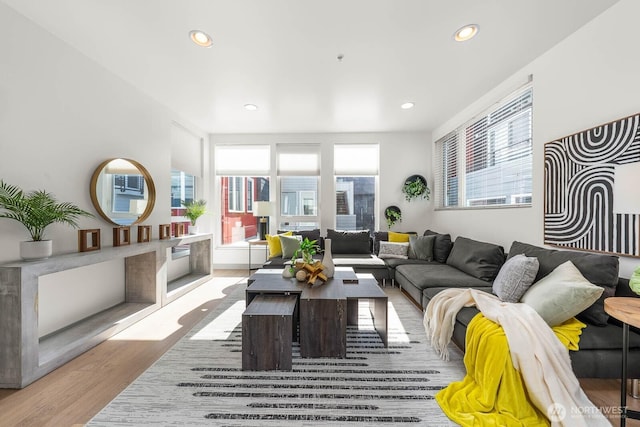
pixel 398 237
pixel 275 247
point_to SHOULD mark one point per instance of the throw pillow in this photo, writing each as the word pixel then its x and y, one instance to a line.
pixel 290 244
pixel 273 242
pixel 398 237
pixel 478 259
pixel 561 294
pixel 441 246
pixel 515 277
pixel 421 247
pixel 393 250
pixel 599 269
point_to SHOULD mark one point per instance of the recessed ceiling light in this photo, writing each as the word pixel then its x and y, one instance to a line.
pixel 466 33
pixel 200 38
pixel 407 105
pixel 250 107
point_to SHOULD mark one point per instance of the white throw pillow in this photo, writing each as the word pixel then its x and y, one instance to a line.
pixel 393 250
pixel 561 294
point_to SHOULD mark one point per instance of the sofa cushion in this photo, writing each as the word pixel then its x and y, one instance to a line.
pixel 349 242
pixel 515 277
pixel 421 247
pixel 431 275
pixel 383 236
pixel 441 246
pixel 364 261
pixel 561 294
pixel 290 244
pixel 599 269
pixel 479 259
pixel 313 234
pixel 398 237
pixel 274 245
pixel 393 250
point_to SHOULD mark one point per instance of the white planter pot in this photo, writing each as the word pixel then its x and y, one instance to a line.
pixel 31 250
pixel 193 229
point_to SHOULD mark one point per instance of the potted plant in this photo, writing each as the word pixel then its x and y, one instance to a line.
pixel 36 210
pixel 415 186
pixel 308 248
pixel 194 209
pixel 392 214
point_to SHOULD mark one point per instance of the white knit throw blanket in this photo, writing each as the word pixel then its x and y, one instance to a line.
pixel 539 356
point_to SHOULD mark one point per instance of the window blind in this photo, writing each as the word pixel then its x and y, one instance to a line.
pixel 298 160
pixel 488 160
pixel 242 160
pixel 186 150
pixel 356 159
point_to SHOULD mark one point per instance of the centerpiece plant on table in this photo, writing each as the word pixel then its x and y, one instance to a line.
pixel 308 248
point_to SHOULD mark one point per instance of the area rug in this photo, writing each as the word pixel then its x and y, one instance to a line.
pixel 200 382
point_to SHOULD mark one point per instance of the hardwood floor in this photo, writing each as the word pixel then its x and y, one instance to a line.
pixel 72 394
pixel 75 392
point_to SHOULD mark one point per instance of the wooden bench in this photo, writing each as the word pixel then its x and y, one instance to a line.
pixel 268 329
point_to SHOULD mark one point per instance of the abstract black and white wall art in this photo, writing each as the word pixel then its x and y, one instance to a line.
pixel 592 189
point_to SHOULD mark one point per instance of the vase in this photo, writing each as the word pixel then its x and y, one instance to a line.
pixel 193 229
pixel 327 260
pixel 35 250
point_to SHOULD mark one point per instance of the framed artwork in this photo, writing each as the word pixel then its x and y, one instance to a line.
pixel 592 189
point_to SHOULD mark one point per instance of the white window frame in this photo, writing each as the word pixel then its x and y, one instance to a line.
pixel 233 183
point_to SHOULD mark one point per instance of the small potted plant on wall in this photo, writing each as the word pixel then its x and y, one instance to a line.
pixel 36 210
pixel 194 209
pixel 392 214
pixel 415 187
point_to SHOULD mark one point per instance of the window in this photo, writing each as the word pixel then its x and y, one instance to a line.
pixel 355 186
pixel 299 181
pixel 235 192
pixel 488 161
pixel 242 172
pixel 183 187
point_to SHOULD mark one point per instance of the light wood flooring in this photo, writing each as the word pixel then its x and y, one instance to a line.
pixel 75 392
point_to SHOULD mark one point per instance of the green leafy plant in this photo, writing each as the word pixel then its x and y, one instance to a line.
pixel 392 216
pixel 415 187
pixel 308 248
pixel 194 209
pixel 36 210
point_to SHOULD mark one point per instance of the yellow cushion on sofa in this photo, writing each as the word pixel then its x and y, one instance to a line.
pixel 398 237
pixel 275 247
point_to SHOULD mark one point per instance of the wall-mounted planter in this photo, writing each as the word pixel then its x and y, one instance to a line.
pixel 415 187
pixel 392 214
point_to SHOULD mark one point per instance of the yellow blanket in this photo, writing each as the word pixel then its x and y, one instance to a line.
pixel 493 393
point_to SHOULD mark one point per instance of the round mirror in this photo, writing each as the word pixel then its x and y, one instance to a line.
pixel 122 191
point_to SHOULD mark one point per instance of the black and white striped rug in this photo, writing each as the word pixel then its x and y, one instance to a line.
pixel 200 381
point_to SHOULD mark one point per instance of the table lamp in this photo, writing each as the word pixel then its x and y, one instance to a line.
pixel 262 210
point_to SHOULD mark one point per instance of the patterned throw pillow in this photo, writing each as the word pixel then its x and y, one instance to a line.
pixel 393 250
pixel 515 277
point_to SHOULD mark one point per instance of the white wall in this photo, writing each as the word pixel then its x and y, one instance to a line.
pixel 588 79
pixel 401 155
pixel 61 114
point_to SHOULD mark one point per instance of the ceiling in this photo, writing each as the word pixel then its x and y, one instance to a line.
pixel 281 55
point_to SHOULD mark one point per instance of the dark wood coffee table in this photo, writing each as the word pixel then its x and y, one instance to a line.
pixel 324 309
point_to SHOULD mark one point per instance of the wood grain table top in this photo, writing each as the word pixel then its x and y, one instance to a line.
pixel 625 309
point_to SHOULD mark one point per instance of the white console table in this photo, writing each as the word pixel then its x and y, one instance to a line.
pixel 24 357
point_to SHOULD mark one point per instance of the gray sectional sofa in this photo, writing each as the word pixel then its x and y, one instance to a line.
pixel 601 341
pixel 470 263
